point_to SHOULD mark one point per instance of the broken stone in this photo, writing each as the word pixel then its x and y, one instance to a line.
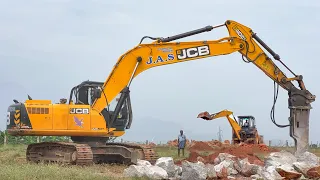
pixel 200 159
pixel 302 167
pixel 278 158
pixel 314 172
pixel 153 172
pixel 225 168
pixel 256 177
pixel 143 162
pixel 211 172
pixel 178 171
pixel 287 171
pixel 167 164
pixel 223 156
pixel 135 171
pixel 156 172
pixel 270 173
pixel 222 173
pixel 309 158
pixel 245 168
pixel 231 177
pixel 192 171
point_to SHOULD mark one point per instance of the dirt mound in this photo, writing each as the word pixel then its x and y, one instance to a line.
pixel 241 151
pixel 174 143
pixel 215 143
pixel 200 146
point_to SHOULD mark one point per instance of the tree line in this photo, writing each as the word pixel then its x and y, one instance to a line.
pixel 28 139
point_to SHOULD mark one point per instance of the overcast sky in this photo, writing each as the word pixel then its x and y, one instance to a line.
pixel 47 47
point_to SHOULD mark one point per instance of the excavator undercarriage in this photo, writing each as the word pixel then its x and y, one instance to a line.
pixel 88 153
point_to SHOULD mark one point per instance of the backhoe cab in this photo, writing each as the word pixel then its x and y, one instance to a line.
pixel 248 132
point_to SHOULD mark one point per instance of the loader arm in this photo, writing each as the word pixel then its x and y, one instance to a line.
pixel 241 39
pixel 224 113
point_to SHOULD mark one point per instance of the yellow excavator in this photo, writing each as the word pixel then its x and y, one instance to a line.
pixel 99 111
pixel 244 131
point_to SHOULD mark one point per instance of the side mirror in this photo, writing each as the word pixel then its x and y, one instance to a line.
pixel 96 93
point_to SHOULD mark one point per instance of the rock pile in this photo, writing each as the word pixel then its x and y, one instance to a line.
pixel 278 165
pixel 241 151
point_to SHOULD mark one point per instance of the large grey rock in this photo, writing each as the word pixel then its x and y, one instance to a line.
pixel 223 156
pixel 178 171
pixel 211 172
pixel 156 172
pixel 247 169
pixel 191 171
pixel 305 162
pixel 152 172
pixel 302 167
pixel 225 168
pixel 270 173
pixel 309 158
pixel 136 171
pixel 167 164
pixel 143 162
pixel 276 159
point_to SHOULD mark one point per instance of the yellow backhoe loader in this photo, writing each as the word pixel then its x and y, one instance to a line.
pixel 244 131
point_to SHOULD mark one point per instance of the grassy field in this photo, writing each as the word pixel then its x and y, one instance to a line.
pixel 13 166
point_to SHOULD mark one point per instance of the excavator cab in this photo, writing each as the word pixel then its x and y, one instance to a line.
pixel 88 91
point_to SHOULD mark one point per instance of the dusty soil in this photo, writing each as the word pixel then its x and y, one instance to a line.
pixel 200 146
pixel 242 151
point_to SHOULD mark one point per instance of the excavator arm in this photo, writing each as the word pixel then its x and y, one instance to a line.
pixel 162 51
pixel 224 113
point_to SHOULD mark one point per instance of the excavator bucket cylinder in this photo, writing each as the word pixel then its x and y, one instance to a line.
pixel 204 115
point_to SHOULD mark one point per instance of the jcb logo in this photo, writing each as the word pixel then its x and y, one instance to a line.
pixel 193 52
pixel 79 111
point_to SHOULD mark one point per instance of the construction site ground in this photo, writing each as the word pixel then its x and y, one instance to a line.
pixel 14 166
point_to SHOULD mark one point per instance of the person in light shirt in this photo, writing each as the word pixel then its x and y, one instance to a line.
pixel 181 142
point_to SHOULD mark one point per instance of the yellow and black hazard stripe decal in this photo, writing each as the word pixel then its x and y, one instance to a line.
pixel 17 117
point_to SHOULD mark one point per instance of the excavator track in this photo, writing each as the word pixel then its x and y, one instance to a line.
pixel 145 152
pixel 83 154
pixel 60 152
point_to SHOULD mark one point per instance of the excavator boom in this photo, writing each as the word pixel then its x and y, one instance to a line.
pixel 241 39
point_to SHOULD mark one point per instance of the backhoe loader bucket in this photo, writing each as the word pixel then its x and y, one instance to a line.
pixel 204 115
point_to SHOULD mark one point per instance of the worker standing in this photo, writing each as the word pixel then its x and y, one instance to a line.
pixel 181 142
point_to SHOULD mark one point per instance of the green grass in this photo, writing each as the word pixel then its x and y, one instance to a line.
pixel 14 166
pixel 165 151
